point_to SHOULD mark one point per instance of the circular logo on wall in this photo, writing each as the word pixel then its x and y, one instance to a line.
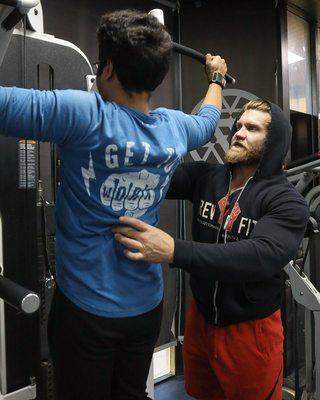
pixel 232 102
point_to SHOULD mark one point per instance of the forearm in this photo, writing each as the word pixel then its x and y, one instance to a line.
pixel 274 241
pixel 215 68
pixel 247 260
pixel 213 95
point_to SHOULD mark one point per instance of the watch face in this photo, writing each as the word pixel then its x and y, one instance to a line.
pixel 218 78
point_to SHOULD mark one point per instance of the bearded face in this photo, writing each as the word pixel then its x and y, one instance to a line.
pixel 241 153
pixel 249 141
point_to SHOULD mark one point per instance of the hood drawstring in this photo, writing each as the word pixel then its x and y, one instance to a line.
pixel 225 226
pixel 223 211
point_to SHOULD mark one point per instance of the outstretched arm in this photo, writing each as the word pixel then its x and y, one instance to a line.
pixel 60 116
pixel 273 243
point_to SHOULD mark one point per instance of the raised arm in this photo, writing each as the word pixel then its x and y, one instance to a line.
pixel 214 64
pixel 198 129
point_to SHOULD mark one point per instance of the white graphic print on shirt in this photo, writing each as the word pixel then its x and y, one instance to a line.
pixel 133 191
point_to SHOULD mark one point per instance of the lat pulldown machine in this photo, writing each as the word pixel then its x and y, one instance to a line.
pixel 301 174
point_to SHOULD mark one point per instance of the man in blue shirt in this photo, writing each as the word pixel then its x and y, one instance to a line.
pixel 117 159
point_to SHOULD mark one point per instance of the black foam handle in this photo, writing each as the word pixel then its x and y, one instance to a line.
pixel 17 296
pixel 11 3
pixel 196 55
pixel 12 19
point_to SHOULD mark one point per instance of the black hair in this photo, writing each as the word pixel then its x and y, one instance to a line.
pixel 138 46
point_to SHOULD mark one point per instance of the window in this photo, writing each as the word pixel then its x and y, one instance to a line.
pixel 299 64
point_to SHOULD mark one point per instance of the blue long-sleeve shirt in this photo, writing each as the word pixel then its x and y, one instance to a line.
pixel 114 161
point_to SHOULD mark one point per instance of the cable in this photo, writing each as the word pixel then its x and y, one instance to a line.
pixel 50 279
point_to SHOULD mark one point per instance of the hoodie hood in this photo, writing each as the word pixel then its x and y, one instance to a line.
pixel 277 145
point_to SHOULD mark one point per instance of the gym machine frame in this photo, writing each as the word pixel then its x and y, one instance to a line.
pixel 23 300
pixel 304 292
pixel 20 298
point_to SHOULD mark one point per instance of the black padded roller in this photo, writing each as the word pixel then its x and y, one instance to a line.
pixel 12 19
pixel 18 297
pixel 11 3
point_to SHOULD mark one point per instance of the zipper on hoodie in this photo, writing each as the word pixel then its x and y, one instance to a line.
pixel 216 284
pixel 225 225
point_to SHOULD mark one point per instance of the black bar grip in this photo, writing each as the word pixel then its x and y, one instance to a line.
pixel 12 19
pixel 11 3
pixel 196 55
pixel 18 297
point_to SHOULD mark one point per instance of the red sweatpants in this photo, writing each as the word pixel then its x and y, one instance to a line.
pixel 242 361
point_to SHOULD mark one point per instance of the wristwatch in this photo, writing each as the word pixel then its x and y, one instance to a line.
pixel 219 79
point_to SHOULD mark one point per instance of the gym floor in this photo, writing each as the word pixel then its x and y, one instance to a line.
pixel 172 388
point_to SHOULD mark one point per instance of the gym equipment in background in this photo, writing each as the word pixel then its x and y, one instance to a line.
pixel 304 284
pixel 29 176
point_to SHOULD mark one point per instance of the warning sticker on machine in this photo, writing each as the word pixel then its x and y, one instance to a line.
pixel 27 164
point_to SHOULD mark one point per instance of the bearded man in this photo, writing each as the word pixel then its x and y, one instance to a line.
pixel 248 222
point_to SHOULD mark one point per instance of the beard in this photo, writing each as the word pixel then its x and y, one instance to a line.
pixel 239 154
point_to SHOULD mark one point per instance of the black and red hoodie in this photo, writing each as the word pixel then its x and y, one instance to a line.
pixel 242 242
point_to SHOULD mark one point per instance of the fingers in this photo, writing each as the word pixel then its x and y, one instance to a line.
pixel 131 244
pixel 134 223
pixel 219 64
pixel 127 242
pixel 126 231
pixel 215 64
pixel 133 256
